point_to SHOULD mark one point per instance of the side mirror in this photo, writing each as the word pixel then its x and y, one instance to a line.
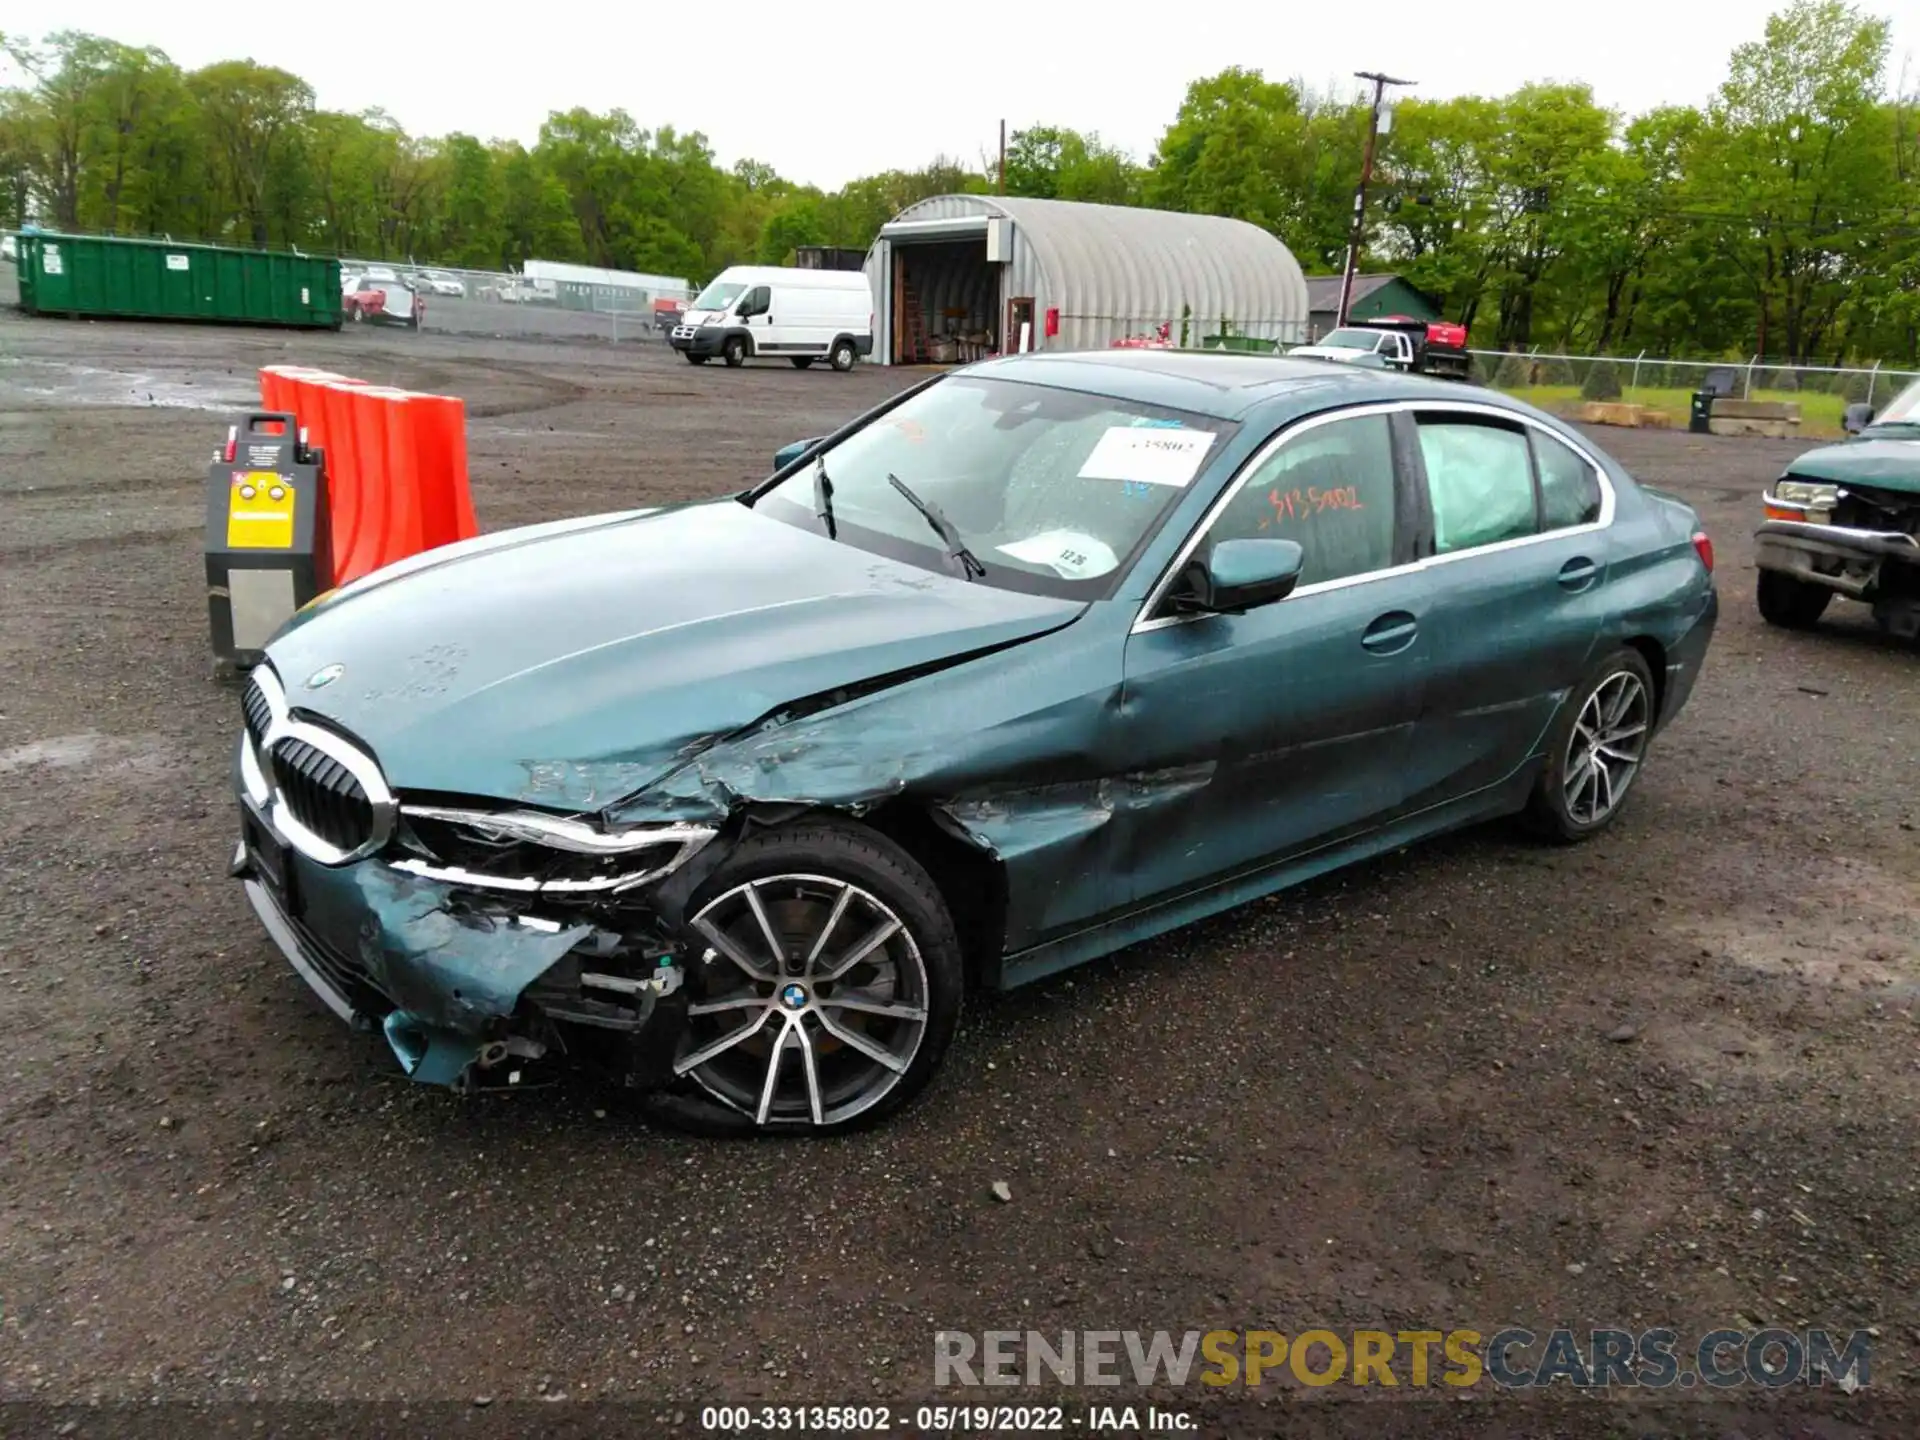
pixel 1236 575
pixel 1856 418
pixel 787 454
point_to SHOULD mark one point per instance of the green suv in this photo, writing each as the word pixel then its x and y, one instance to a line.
pixel 1845 520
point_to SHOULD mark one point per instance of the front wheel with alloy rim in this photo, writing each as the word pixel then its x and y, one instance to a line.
pixel 824 987
pixel 734 352
pixel 843 355
pixel 1790 602
pixel 1595 749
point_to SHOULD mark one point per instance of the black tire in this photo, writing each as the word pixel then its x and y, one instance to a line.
pixel 693 359
pixel 802 362
pixel 1790 602
pixel 715 1099
pixel 734 351
pixel 1551 812
pixel 843 355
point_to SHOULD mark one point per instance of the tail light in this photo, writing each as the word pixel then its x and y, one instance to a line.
pixel 233 444
pixel 1703 547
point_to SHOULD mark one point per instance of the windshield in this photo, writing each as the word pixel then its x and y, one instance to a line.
pixel 1903 410
pixel 1350 339
pixel 1052 491
pixel 717 296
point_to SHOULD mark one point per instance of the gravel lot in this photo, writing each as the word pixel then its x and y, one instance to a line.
pixel 1667 1078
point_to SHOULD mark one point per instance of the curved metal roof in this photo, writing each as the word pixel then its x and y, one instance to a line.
pixel 1117 260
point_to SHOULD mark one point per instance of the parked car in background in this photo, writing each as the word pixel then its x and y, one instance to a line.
pixel 386 301
pixel 520 292
pixel 734 800
pixel 668 313
pixel 439 282
pixel 1845 520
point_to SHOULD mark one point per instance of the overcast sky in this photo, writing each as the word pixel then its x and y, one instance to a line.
pixel 827 90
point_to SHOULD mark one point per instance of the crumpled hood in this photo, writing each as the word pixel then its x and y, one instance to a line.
pixel 572 668
pixel 1887 464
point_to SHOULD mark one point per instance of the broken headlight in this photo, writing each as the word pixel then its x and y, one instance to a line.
pixel 1807 493
pixel 528 852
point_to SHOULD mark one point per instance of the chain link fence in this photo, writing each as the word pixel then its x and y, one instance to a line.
pixel 504 305
pixel 1250 335
pixel 1820 394
pixel 1822 391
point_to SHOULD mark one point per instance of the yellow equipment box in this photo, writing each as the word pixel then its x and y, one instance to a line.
pixel 269 541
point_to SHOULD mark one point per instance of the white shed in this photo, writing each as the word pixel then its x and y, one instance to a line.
pixel 960 275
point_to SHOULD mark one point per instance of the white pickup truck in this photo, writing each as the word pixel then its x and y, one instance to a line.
pixel 1396 343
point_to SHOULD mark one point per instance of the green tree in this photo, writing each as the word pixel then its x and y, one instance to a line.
pixel 535 215
pixel 252 117
pixel 794 224
pixel 1052 163
pixel 1798 157
pixel 473 219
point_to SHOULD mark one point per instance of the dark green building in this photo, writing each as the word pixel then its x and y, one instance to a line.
pixel 1373 297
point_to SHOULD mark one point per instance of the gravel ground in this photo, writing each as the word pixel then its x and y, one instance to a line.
pixel 1670 1077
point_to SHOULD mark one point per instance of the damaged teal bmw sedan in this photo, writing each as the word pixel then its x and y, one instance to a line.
pixel 734 801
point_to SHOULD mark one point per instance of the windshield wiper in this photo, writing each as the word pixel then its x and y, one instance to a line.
pixel 970 566
pixel 823 498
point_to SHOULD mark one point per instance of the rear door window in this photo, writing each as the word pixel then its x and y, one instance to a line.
pixel 1569 488
pixel 1479 483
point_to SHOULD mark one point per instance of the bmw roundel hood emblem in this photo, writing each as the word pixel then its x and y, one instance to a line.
pixel 325 676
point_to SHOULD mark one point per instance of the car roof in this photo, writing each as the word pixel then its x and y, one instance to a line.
pixel 1227 385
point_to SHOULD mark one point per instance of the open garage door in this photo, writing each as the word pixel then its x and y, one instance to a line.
pixel 944 281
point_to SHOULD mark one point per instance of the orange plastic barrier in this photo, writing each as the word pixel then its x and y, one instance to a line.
pixel 446 509
pixel 396 464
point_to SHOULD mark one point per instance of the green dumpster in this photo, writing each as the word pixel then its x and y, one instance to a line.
pixel 1243 344
pixel 103 277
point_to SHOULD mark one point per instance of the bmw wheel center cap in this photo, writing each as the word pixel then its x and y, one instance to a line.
pixel 794 997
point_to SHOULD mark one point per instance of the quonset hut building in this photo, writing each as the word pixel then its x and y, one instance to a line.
pixel 957 276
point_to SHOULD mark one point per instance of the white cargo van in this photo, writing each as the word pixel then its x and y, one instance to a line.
pixel 797 315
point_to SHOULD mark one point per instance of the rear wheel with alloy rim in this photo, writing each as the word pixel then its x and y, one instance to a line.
pixel 824 988
pixel 1595 749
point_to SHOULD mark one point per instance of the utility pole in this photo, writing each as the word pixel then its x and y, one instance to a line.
pixel 1380 83
pixel 1003 157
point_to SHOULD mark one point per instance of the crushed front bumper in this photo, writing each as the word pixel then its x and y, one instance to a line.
pixel 1843 559
pixel 467 991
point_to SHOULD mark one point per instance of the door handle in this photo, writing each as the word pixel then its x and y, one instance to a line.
pixel 1390 634
pixel 1578 573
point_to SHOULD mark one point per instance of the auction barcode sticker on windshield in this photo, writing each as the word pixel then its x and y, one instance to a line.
pixel 1148 454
